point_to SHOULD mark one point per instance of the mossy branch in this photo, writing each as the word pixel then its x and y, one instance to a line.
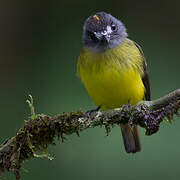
pixel 40 130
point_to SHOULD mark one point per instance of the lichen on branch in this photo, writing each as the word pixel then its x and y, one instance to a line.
pixel 40 130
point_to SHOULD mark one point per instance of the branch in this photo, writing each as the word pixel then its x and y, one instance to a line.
pixel 41 130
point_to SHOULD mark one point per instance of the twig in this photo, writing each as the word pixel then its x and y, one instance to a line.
pixel 41 130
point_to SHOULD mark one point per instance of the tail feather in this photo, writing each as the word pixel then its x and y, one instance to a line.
pixel 131 138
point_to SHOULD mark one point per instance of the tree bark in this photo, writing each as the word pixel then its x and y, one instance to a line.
pixel 40 130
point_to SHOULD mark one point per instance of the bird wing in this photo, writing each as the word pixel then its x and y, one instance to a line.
pixel 145 77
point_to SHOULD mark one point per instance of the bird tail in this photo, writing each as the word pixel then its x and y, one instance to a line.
pixel 131 138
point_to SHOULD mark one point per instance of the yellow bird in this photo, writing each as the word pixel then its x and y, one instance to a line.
pixel 113 70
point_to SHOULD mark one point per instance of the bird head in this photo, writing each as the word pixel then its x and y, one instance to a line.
pixel 102 31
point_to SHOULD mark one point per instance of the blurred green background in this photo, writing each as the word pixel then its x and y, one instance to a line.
pixel 39 46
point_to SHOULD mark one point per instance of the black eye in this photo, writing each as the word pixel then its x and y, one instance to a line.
pixel 113 27
pixel 92 35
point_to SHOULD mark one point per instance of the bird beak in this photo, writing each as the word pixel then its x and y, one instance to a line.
pixel 105 36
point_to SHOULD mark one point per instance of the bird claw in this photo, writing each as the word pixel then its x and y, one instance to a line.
pixel 89 112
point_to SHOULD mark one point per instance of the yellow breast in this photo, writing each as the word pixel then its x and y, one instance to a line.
pixel 113 78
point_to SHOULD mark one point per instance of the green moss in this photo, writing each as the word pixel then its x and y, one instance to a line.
pixel 40 131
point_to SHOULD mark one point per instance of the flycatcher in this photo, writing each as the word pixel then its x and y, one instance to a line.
pixel 113 70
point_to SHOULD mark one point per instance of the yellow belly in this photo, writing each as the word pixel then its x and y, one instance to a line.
pixel 110 82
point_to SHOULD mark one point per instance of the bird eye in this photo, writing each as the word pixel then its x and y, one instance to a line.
pixel 92 35
pixel 113 27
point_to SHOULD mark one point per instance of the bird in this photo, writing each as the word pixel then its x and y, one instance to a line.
pixel 113 69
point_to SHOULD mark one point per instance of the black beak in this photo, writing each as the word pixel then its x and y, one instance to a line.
pixel 106 38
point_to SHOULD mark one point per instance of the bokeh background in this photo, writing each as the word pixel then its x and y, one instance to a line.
pixel 39 45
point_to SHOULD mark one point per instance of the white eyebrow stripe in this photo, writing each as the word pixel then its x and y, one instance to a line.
pixel 98 35
pixel 109 30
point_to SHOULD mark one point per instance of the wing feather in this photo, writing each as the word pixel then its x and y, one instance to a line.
pixel 145 77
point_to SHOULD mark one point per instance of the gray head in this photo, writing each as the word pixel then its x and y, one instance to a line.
pixel 103 31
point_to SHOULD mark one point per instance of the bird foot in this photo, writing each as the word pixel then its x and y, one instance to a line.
pixel 89 113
